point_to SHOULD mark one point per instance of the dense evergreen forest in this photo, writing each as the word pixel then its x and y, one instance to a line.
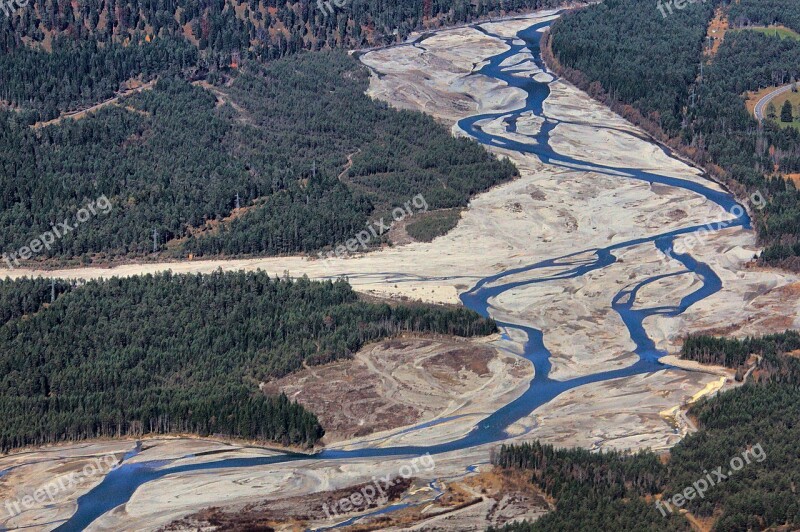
pixel 617 491
pixel 175 157
pixel 743 13
pixel 182 353
pixel 225 125
pixel 77 74
pixel 302 124
pixel 626 56
pixel 437 223
pixel 593 491
pixel 733 353
pixel 648 68
pixel 33 295
pixel 96 45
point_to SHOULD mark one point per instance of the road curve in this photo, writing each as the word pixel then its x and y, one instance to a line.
pixel 762 103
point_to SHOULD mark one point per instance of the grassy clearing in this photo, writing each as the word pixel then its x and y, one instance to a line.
pixel 775 31
pixel 794 98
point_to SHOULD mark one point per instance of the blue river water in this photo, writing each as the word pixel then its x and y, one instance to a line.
pixel 119 485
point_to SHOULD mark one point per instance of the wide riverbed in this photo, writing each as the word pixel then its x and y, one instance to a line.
pixel 119 485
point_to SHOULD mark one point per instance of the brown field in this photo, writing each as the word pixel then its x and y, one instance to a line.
pixel 291 513
pixel 399 382
pixel 716 31
pixel 493 497
pixel 794 177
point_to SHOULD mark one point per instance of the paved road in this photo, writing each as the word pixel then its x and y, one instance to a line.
pixel 763 102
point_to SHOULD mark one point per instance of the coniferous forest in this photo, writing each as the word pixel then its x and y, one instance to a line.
pixel 182 353
pixel 173 159
pixel 660 72
pixel 56 55
pixel 745 13
pixel 617 491
pixel 734 353
pixel 226 123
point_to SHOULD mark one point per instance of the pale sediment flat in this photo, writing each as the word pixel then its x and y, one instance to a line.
pixel 31 476
pixel 753 301
pixel 41 486
pixel 160 502
pixel 619 414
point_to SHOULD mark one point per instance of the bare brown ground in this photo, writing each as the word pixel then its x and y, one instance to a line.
pixel 494 497
pixel 395 383
pixel 491 498
pixel 793 177
pixel 503 482
pixel 700 524
pixel 398 234
pixel 716 31
pixel 293 513
pixel 405 519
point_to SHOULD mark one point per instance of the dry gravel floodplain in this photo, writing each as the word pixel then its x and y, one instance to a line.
pixel 550 211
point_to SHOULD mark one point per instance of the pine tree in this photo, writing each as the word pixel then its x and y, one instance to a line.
pixel 772 112
pixel 786 112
